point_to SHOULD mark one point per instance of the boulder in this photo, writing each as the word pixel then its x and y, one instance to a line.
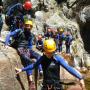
pixel 8 78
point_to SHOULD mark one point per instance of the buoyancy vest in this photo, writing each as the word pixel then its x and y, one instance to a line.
pixel 22 39
pixel 51 70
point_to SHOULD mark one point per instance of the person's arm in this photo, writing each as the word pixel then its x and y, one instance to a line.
pixel 68 67
pixel 11 34
pixel 71 70
pixel 13 8
pixel 30 67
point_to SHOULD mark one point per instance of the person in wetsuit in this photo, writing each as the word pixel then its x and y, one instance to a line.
pixel 23 43
pixel 39 43
pixel 60 38
pixel 68 41
pixel 18 14
pixel 51 62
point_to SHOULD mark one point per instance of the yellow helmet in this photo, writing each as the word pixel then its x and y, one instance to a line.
pixel 49 45
pixel 61 30
pixel 29 22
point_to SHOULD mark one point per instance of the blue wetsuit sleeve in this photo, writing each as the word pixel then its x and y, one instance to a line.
pixel 11 34
pixel 13 8
pixel 68 67
pixel 32 66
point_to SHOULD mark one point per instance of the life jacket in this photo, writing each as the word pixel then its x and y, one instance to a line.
pixel 22 39
pixel 51 70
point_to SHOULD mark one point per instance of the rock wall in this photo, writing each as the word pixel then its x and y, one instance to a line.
pixel 9 59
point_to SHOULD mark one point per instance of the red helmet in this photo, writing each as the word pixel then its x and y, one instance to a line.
pixel 27 5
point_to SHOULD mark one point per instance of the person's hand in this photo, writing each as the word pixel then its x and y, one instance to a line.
pixel 82 84
pixel 18 70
